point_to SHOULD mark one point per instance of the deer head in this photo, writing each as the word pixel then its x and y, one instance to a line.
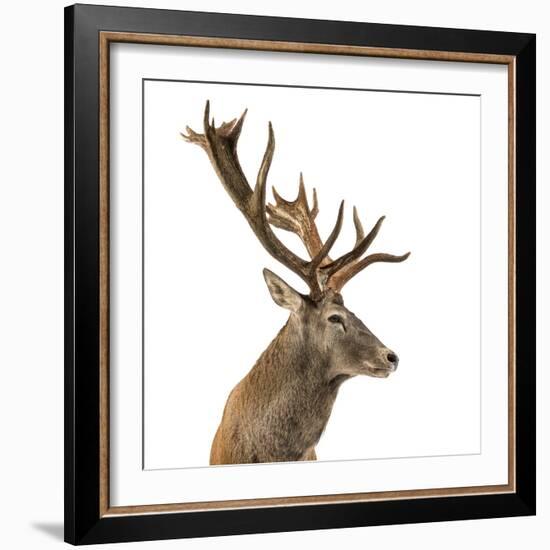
pixel 329 334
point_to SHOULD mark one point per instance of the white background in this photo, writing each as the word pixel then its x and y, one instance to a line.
pixel 31 295
pixel 205 327
pixel 440 392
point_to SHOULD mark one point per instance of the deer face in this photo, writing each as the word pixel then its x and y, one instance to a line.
pixel 332 335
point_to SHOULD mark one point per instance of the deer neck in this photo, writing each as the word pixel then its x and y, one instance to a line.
pixel 295 363
pixel 296 399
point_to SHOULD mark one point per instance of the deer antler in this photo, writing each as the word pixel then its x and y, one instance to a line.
pixel 296 216
pixel 220 143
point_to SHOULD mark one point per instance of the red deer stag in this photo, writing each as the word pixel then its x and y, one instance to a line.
pixel 279 410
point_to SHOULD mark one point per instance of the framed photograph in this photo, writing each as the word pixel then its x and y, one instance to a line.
pixel 300 274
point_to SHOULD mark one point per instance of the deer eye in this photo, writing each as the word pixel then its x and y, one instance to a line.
pixel 336 319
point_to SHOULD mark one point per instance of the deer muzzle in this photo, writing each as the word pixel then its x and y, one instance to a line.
pixel 383 365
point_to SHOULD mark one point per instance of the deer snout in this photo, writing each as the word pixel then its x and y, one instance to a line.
pixel 391 358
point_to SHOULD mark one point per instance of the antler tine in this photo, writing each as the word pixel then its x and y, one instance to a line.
pixel 315 209
pixel 359 231
pixel 261 180
pixel 260 225
pixel 341 278
pixel 325 249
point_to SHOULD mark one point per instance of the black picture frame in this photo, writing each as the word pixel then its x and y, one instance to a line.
pixel 84 523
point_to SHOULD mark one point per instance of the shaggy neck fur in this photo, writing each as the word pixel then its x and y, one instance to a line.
pixel 289 397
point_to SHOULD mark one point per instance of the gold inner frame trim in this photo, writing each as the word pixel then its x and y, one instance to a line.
pixel 105 39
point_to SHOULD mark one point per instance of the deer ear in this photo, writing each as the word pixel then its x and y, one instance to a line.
pixel 282 293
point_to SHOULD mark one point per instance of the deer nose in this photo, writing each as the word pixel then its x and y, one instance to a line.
pixel 392 358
